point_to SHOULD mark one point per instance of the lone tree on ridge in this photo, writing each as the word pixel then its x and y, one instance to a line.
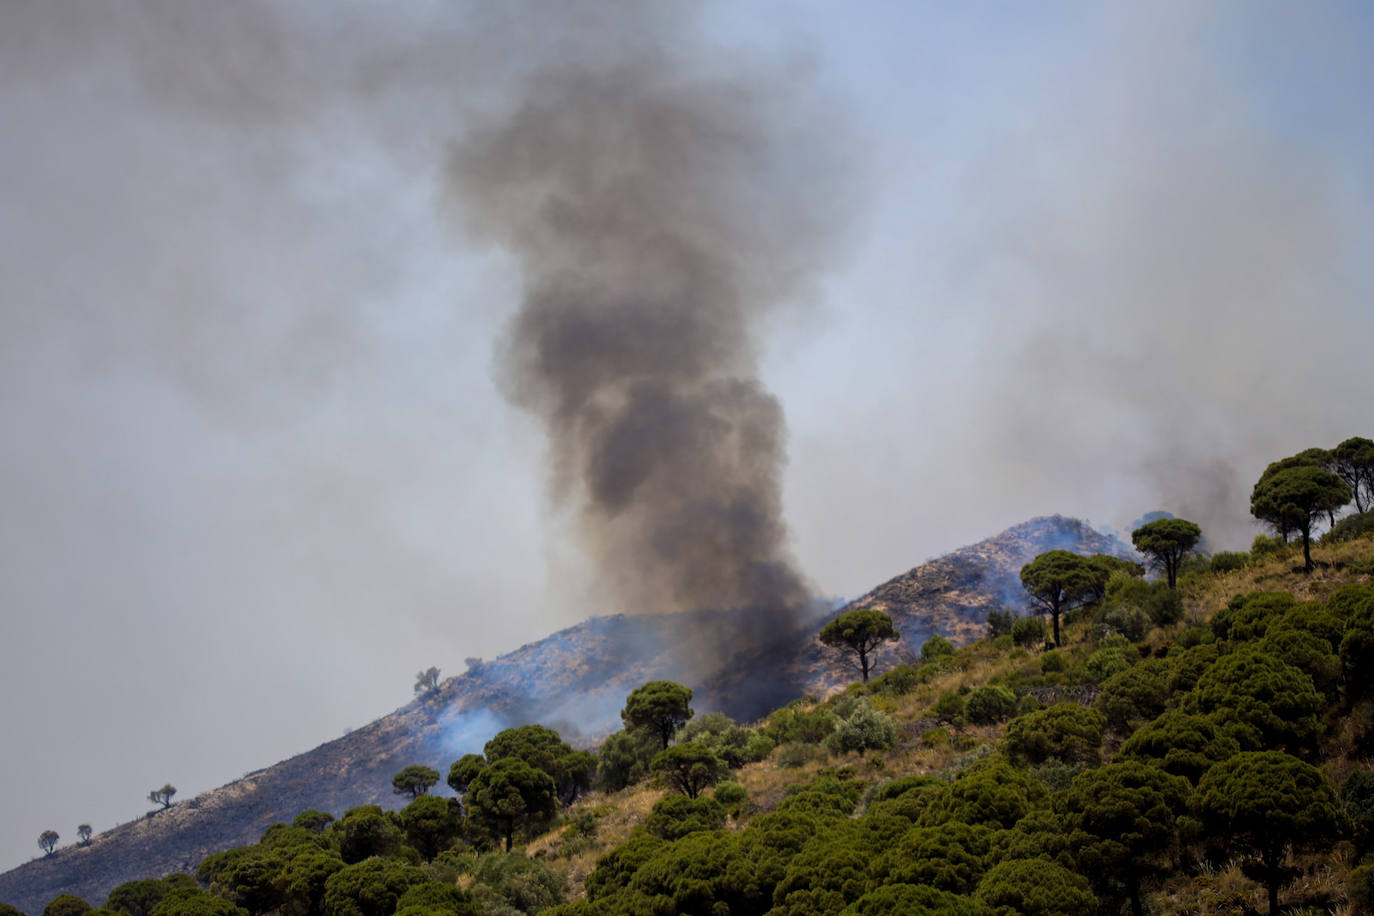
pixel 84 833
pixel 427 680
pixel 163 796
pixel 47 840
pixel 1166 542
pixel 860 631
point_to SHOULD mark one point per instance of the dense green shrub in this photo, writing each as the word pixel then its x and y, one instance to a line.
pixel 674 816
pixel 1266 702
pixel 1350 528
pixel 370 887
pixel 1067 731
pixel 900 680
pixel 1181 743
pixel 951 856
pixel 1357 795
pixel 989 704
pixel 990 791
pixel 1103 663
pixel 732 797
pixel 798 723
pixel 934 647
pixel 510 884
pixel 913 898
pixel 1134 695
pixel 1035 887
pixel 623 759
pixel 1265 546
pixel 1163 605
pixel 949 709
pixel 1193 636
pixel 863 729
pixel 66 905
pixel 1028 631
pixel 934 737
pixel 715 730
pixel 1229 561
pixel 433 896
pixel 1125 619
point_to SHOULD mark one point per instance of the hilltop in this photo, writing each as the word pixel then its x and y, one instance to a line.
pixel 575 681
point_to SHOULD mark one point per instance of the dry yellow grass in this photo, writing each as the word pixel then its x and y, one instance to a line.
pixel 1204 594
pixel 616 813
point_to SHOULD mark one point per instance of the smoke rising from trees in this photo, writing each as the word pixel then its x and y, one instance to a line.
pixel 658 199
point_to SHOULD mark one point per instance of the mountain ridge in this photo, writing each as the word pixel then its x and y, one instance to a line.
pixel 574 680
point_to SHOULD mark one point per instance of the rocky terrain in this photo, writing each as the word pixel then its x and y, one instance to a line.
pixel 574 680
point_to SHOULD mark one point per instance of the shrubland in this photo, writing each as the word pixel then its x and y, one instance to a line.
pixel 1198 744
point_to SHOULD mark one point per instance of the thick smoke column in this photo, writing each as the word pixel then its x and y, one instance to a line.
pixel 656 211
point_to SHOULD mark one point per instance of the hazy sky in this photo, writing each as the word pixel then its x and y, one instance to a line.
pixel 257 466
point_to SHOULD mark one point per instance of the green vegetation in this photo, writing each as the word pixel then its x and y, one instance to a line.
pixel 1059 581
pixel 1166 542
pixel 1295 493
pixel 860 632
pixel 66 905
pixel 414 781
pixel 1353 462
pixel 1267 804
pixel 1200 749
pixel 689 768
pixel 659 707
pixel 510 796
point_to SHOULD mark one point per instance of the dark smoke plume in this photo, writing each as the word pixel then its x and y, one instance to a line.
pixel 658 199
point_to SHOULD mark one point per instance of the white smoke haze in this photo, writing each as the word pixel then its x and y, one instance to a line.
pixel 258 462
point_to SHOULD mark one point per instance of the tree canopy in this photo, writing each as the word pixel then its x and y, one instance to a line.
pixel 659 707
pixel 509 796
pixel 1353 462
pixel 1058 581
pixel 1265 702
pixel 1166 542
pixel 1034 887
pixel 164 795
pixel 47 841
pixel 859 631
pixel 66 905
pixel 427 680
pixel 1120 821
pixel 414 781
pixel 1295 497
pixel 689 767
pixel 1265 803
pixel 544 749
pixel 859 803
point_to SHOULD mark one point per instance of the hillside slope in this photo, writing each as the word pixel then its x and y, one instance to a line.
pixel 574 680
pixel 950 595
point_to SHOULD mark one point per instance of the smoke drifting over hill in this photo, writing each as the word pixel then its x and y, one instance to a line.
pixel 657 199
pixel 255 257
